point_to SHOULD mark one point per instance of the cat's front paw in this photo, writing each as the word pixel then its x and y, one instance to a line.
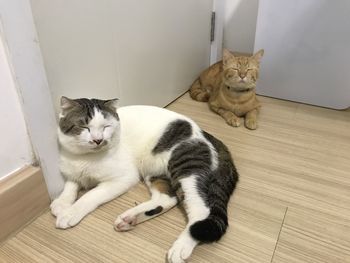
pixel 234 121
pixel 69 218
pixel 251 124
pixel 124 223
pixel 58 206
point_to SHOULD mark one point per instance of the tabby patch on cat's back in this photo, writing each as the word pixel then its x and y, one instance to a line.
pixel 229 88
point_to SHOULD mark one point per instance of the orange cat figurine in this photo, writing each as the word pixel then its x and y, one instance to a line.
pixel 229 88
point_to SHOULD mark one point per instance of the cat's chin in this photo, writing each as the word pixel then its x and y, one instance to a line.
pixel 80 150
pixel 240 88
pixel 97 148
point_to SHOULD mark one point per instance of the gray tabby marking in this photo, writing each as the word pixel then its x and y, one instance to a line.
pixel 216 191
pixel 192 157
pixel 175 132
pixel 189 157
pixel 82 111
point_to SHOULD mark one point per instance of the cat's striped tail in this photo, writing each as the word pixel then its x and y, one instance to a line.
pixel 198 92
pixel 214 226
pixel 220 187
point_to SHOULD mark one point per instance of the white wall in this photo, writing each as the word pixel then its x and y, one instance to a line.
pixel 307 56
pixel 77 48
pixel 144 52
pixel 240 24
pixel 19 34
pixel 15 149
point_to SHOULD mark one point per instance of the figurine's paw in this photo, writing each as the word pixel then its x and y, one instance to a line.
pixel 233 121
pixel 251 124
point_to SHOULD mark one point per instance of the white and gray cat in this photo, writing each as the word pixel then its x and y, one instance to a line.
pixel 108 150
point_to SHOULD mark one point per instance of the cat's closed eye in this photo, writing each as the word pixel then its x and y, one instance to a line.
pixel 106 127
pixel 84 127
pixel 230 73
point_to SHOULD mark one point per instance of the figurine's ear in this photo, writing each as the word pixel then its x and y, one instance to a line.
pixel 226 56
pixel 258 55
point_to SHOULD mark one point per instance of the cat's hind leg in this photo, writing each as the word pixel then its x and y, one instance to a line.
pixel 161 201
pixel 196 210
pixel 198 92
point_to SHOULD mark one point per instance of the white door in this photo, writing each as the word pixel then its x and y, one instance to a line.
pixel 144 52
pixel 307 56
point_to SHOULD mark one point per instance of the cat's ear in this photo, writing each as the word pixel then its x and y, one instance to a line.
pixel 67 104
pixel 113 103
pixel 258 55
pixel 226 56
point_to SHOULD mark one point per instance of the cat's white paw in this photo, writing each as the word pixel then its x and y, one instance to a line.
pixel 58 206
pixel 69 218
pixel 181 250
pixel 124 223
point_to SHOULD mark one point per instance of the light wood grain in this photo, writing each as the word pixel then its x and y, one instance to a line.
pixel 291 205
pixel 310 236
pixel 23 196
pixel 255 225
pixel 300 154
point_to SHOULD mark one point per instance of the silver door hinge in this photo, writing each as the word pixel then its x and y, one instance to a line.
pixel 212 30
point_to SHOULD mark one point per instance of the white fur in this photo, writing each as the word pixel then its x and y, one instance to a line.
pixel 66 199
pixel 194 204
pixel 115 167
pixel 141 128
pixel 182 248
pixel 136 215
pixel 110 166
pixel 196 210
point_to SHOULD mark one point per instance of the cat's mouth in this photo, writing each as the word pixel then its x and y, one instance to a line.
pixel 235 89
pixel 99 146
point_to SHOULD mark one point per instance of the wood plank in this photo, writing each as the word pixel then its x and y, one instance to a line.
pixel 23 196
pixel 310 236
pixel 251 237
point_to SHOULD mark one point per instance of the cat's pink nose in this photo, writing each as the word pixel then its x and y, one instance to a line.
pixel 98 141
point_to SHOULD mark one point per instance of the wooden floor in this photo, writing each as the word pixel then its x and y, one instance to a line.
pixel 292 203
